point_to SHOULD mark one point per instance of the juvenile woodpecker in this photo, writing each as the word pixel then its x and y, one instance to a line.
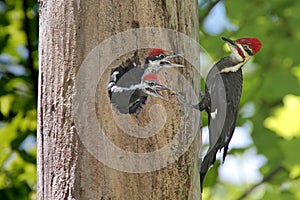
pixel 223 89
pixel 130 85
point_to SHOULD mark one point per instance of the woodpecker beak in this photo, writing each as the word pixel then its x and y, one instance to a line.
pixel 155 91
pixel 173 56
pixel 164 63
pixel 171 65
pixel 232 45
pixel 230 42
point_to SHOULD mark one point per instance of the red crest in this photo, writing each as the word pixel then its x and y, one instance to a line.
pixel 156 52
pixel 152 77
pixel 253 43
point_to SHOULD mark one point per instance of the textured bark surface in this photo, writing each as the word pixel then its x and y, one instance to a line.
pixel 69 30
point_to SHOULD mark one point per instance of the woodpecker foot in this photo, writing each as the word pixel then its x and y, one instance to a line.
pixel 182 99
pixel 202 95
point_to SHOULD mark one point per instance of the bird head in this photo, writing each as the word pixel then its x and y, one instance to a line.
pixel 159 59
pixel 243 48
pixel 151 85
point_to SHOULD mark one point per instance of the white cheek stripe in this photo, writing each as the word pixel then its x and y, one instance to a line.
pixel 133 87
pixel 233 68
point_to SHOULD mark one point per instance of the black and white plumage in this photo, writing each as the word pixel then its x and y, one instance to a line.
pixel 222 97
pixel 131 85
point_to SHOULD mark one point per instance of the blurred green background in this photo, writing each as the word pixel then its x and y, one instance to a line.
pixel 270 104
pixel 18 98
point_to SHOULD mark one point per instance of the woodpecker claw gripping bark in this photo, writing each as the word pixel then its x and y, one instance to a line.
pixel 130 85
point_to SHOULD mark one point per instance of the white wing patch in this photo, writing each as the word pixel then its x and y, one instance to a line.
pixel 110 85
pixel 114 76
pixel 214 114
pixel 123 89
pixel 113 80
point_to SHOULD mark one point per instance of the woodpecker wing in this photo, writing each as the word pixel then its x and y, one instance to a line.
pixel 222 97
pixel 127 101
pixel 116 75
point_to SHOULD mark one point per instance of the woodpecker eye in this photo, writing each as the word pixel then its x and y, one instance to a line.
pixel 161 56
pixel 247 49
pixel 151 83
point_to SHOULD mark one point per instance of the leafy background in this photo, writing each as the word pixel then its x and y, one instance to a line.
pixel 18 98
pixel 270 104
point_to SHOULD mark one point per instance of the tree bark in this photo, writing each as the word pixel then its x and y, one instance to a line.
pixel 67 168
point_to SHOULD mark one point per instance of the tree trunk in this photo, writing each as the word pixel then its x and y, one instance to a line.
pixel 149 156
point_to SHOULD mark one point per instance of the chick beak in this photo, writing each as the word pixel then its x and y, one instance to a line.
pixel 175 65
pixel 173 56
pixel 167 64
pixel 155 91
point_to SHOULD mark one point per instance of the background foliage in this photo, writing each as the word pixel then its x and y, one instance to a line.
pixel 18 97
pixel 271 91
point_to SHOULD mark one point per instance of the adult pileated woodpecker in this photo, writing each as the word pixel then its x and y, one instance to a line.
pixel 222 97
pixel 131 85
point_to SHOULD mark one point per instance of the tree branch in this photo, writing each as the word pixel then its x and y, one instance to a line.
pixel 267 178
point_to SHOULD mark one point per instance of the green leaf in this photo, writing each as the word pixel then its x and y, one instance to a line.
pixel 270 91
pixel 278 195
pixel 6 103
pixel 290 149
pixel 286 120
